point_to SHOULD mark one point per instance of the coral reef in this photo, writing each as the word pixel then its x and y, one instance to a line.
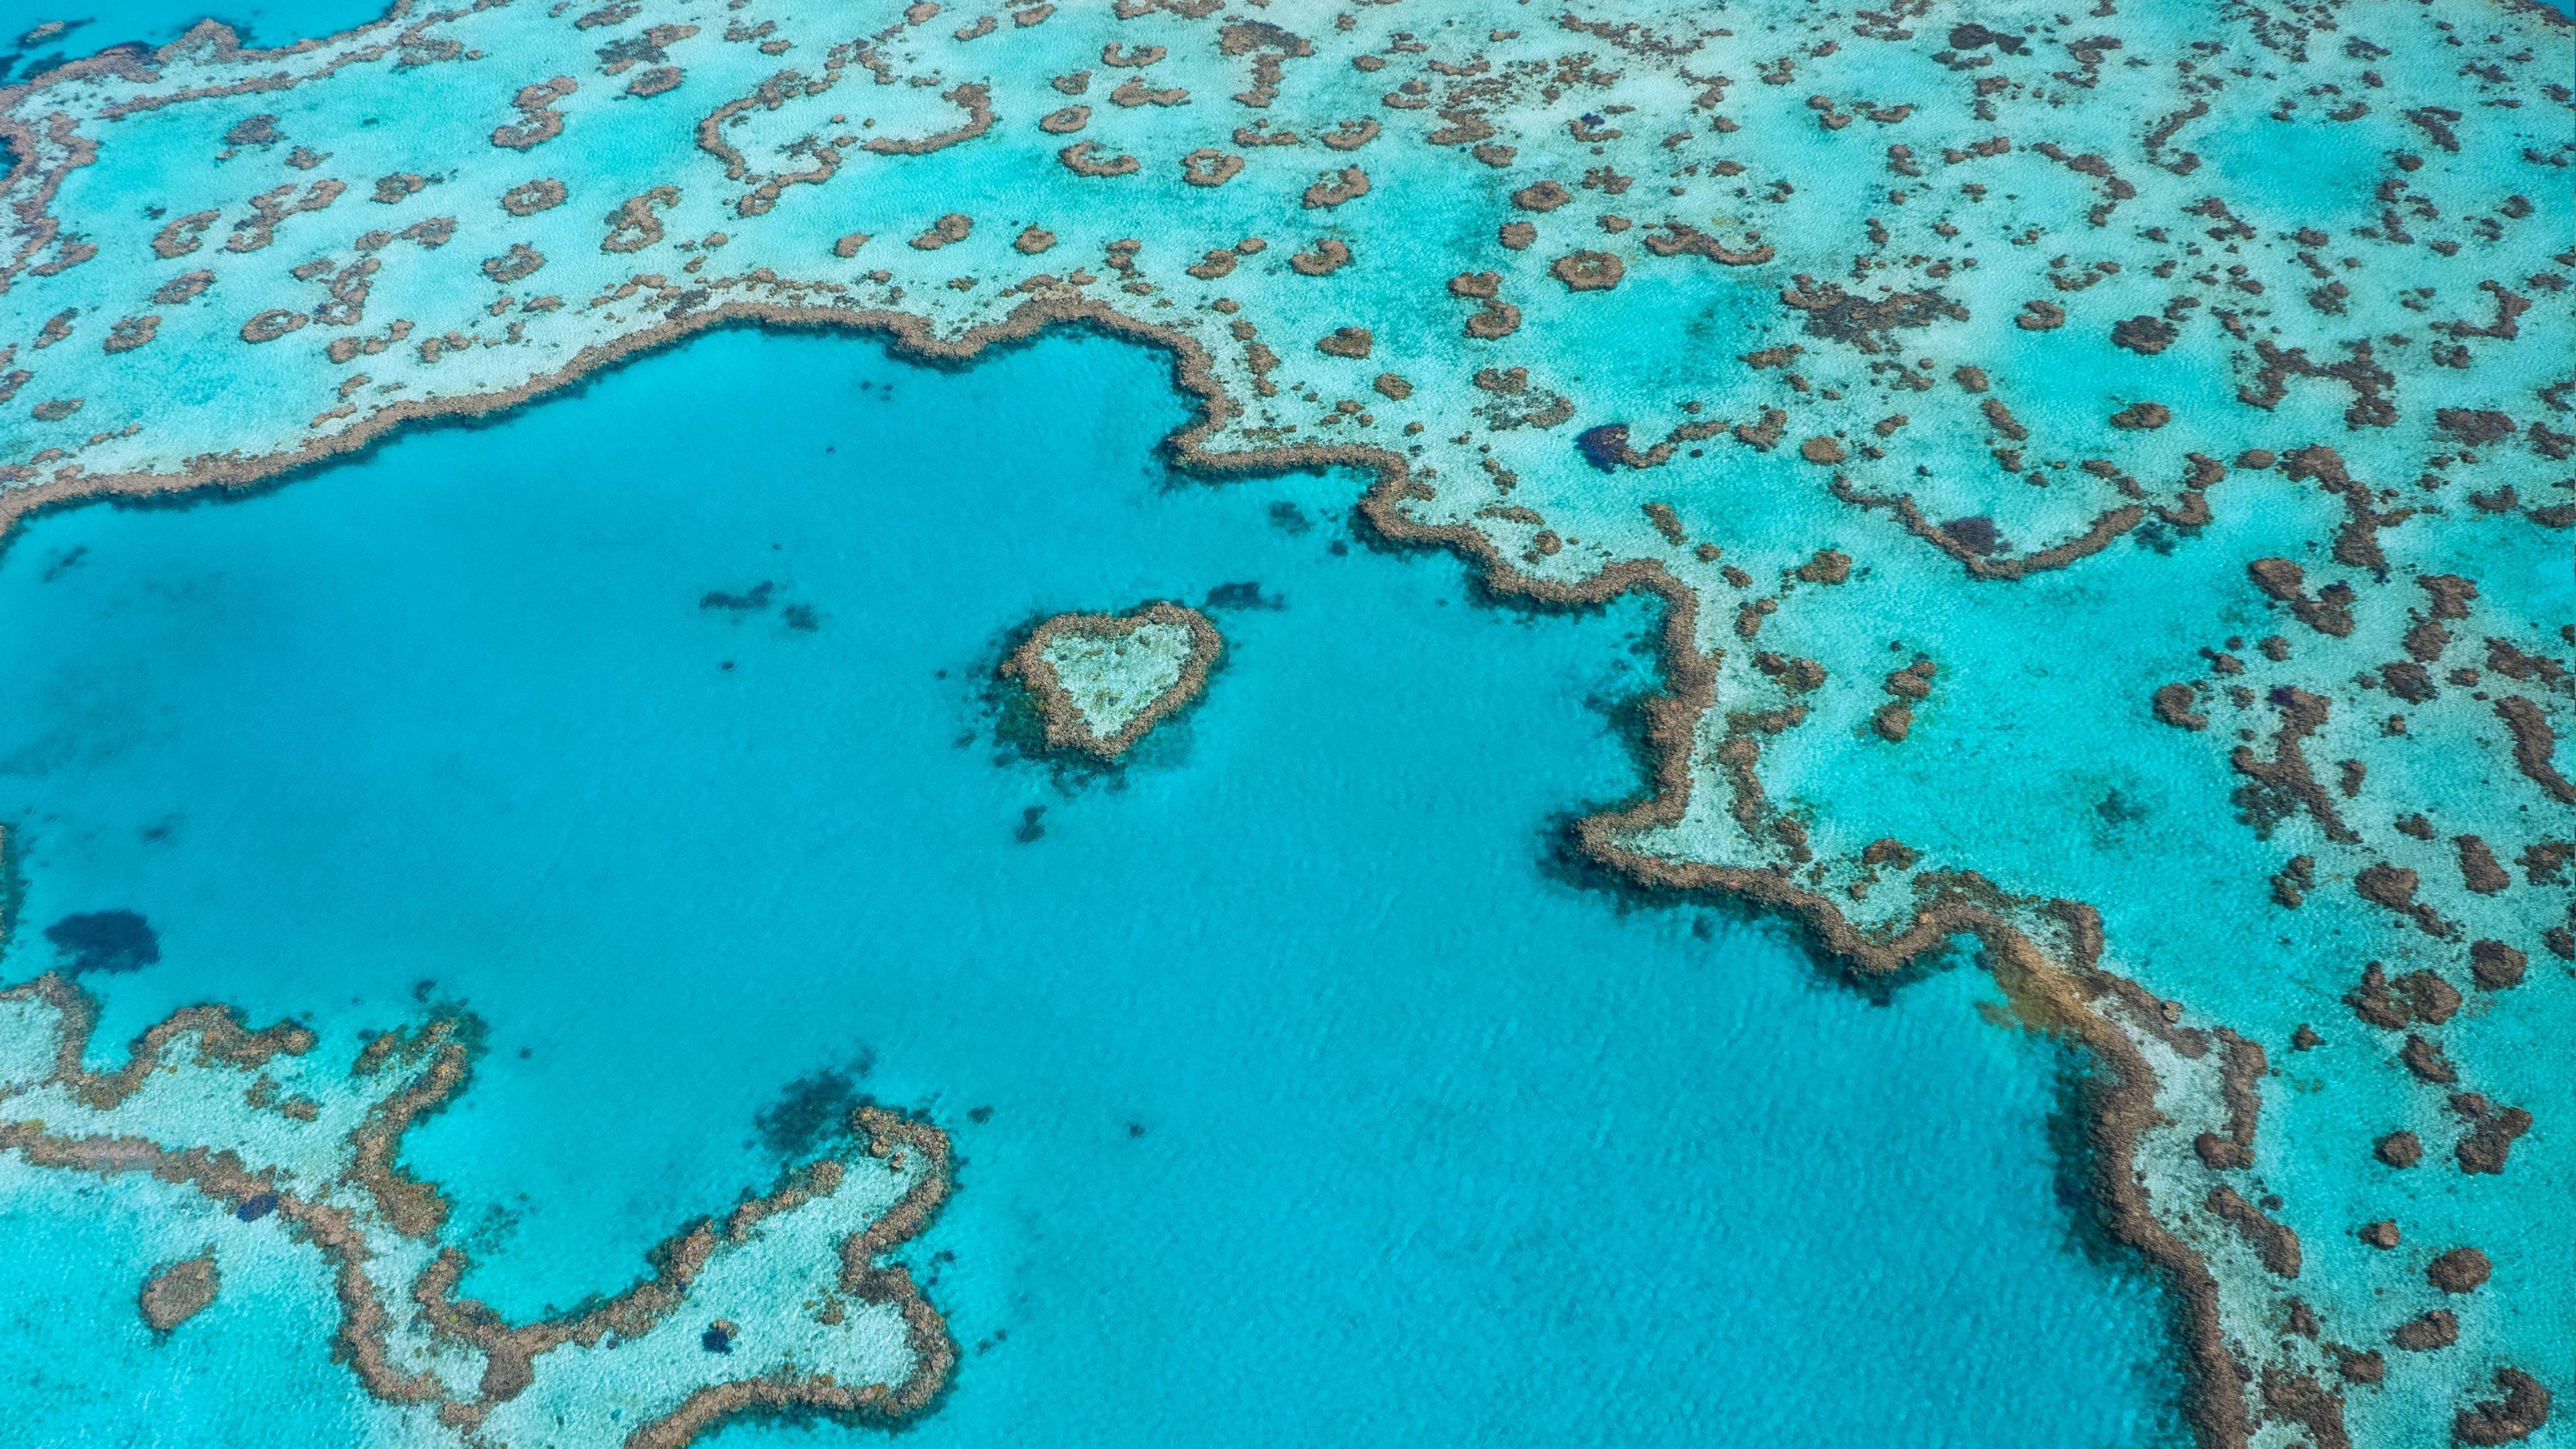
pixel 2185 394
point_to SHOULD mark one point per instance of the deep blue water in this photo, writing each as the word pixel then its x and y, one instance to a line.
pixel 1326 1106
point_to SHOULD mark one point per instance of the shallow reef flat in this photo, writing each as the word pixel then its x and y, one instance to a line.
pixel 2105 474
pixel 778 1305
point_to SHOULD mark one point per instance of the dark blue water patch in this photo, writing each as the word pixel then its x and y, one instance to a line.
pixel 1971 36
pixel 113 942
pixel 1243 594
pixel 750 600
pixel 1603 447
pixel 813 1109
pixel 1296 1090
pixel 258 1205
pixel 1977 534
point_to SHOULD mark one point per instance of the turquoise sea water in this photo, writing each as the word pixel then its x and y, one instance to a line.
pixel 95 26
pixel 1325 1103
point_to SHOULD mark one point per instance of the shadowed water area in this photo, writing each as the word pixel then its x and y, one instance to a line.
pixel 1302 1092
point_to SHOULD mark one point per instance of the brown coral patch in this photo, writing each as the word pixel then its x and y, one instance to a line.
pixel 2271 1240
pixel 538 121
pixel 1082 158
pixel 1588 271
pixel 2144 334
pixel 948 230
pixel 2488 1144
pixel 2425 1060
pixel 2496 966
pixel 2038 316
pixel 1328 257
pixel 2437 1328
pixel 1350 135
pixel 530 197
pixel 2394 886
pixel 180 1291
pixel 186 287
pixel 272 324
pixel 1542 196
pixel 1829 566
pixel 974 98
pixel 129 333
pixel 2461 1270
pixel 1134 92
pixel 1680 240
pixel 1208 166
pixel 633 226
pixel 2173 706
pixel 2419 995
pixel 2534 741
pixel 520 262
pixel 1349 184
pixel 2518 1415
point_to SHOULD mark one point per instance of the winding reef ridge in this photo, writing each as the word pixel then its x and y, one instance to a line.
pixel 2106 471
pixel 780 1304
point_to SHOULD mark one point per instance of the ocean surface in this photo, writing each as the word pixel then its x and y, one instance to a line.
pixel 1304 1092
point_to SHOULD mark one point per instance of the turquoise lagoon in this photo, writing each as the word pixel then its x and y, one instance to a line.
pixel 1303 1092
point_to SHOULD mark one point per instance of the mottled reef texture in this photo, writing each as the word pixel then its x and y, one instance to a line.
pixel 269 1127
pixel 179 1292
pixel 2106 470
